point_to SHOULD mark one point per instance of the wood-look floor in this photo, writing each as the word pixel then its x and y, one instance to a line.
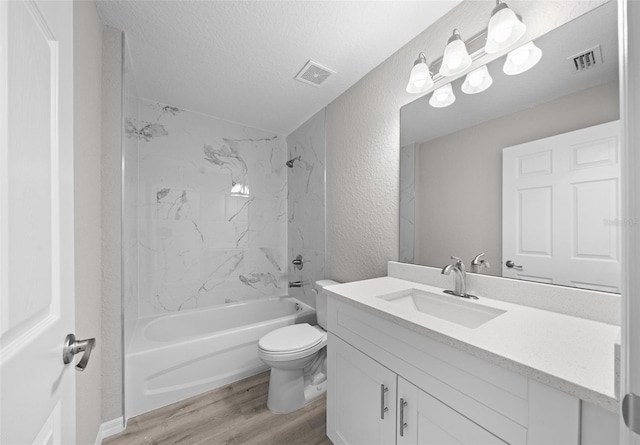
pixel 234 414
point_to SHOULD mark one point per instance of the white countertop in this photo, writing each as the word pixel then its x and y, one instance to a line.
pixel 572 354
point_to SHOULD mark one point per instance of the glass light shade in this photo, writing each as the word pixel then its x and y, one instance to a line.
pixel 505 29
pixel 522 59
pixel 420 79
pixel 477 81
pixel 442 97
pixel 456 59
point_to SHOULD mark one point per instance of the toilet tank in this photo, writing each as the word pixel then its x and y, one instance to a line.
pixel 321 301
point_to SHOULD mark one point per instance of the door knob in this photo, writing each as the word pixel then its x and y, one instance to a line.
pixel 73 347
pixel 511 265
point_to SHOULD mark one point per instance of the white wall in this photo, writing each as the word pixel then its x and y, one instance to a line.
pixel 111 197
pixel 362 131
pixel 87 73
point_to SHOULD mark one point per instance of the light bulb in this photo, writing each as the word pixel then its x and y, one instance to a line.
pixel 504 30
pixel 520 56
pixel 456 58
pixel 475 78
pixel 420 79
pixel 442 97
pixel 477 81
pixel 522 59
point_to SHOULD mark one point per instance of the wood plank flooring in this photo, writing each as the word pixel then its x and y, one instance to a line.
pixel 231 415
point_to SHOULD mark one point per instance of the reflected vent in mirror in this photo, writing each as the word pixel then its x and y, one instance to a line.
pixel 586 59
pixel 314 74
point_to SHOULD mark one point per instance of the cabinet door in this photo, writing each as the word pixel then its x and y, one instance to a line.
pixel 361 397
pixel 427 421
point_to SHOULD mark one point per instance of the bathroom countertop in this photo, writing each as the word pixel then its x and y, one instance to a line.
pixel 572 354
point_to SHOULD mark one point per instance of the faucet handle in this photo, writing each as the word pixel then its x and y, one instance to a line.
pixel 477 259
pixel 459 263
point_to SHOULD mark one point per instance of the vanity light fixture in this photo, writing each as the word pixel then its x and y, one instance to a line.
pixel 477 81
pixel 456 59
pixel 505 29
pixel 442 97
pixel 522 59
pixel 421 79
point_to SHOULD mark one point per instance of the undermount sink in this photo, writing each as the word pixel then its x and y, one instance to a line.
pixel 449 308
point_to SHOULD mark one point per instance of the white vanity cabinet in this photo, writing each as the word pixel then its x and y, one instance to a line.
pixel 423 419
pixel 361 410
pixel 363 394
pixel 451 396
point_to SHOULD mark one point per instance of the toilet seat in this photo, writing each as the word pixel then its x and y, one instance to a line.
pixel 292 342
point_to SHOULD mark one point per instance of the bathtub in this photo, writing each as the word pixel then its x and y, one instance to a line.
pixel 176 356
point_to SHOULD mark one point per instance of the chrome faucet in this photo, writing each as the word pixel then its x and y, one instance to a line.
pixel 460 275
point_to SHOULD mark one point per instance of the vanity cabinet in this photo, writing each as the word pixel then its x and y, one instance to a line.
pixel 361 410
pixel 423 419
pixel 363 394
pixel 451 396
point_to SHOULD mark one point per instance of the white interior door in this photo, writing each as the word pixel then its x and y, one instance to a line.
pixel 37 391
pixel 561 209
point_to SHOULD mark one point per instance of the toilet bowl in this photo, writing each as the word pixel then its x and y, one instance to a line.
pixel 297 355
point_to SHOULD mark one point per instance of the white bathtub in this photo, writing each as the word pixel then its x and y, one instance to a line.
pixel 172 357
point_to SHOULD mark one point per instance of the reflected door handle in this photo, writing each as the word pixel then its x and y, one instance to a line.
pixel 511 265
pixel 72 347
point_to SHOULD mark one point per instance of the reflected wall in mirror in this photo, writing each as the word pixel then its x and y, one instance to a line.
pixel 451 166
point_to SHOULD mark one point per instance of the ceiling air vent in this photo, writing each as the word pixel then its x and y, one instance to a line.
pixel 314 74
pixel 586 59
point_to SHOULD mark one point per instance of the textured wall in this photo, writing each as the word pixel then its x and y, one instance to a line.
pixel 212 210
pixel 87 77
pixel 130 198
pixel 362 130
pixel 111 179
pixel 476 154
pixel 306 228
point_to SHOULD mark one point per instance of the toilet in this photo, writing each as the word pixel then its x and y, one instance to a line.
pixel 297 356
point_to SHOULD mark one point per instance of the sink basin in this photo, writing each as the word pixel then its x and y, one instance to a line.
pixel 449 308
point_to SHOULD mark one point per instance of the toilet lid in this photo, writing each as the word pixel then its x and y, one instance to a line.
pixel 291 338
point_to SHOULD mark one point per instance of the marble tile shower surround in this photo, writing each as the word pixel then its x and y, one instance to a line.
pixel 212 210
pixel 306 205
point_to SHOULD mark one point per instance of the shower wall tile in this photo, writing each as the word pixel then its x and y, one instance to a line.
pixel 306 205
pixel 211 213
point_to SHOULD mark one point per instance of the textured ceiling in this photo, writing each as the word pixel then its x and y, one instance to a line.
pixel 236 60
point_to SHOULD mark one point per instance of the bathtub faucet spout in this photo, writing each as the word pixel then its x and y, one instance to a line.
pixel 295 283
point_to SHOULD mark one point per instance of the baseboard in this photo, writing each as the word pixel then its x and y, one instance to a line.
pixel 110 428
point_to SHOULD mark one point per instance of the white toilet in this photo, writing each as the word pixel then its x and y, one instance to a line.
pixel 297 357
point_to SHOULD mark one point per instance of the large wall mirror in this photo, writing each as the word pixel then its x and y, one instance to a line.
pixel 527 171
